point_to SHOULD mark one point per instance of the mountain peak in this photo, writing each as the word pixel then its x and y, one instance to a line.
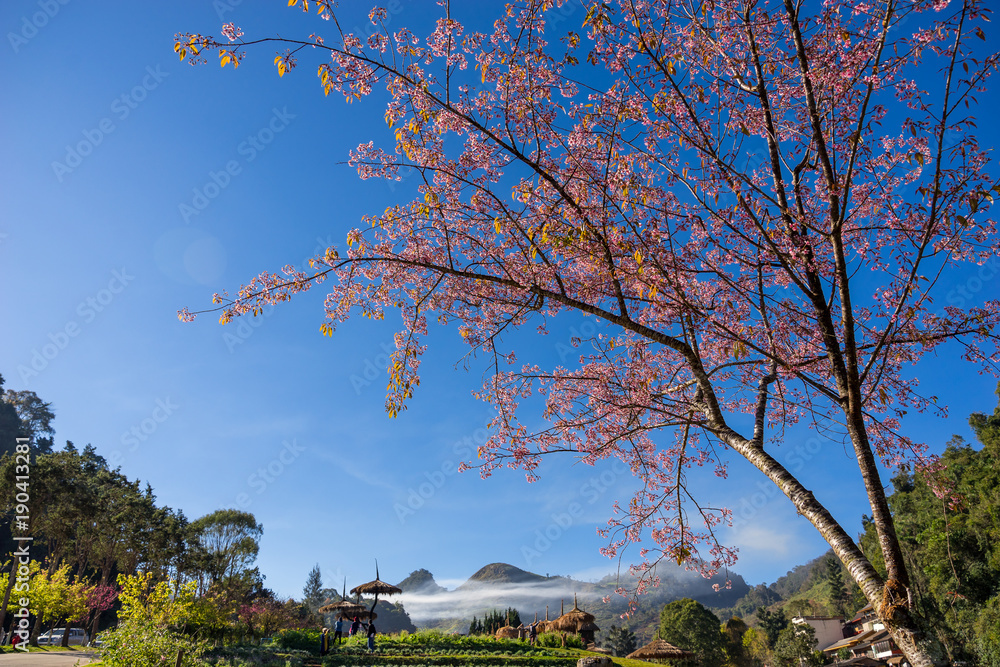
pixel 421 581
pixel 502 573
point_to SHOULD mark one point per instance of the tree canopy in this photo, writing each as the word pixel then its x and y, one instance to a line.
pixel 758 201
pixel 688 624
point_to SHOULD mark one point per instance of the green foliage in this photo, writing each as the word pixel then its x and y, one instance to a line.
pixel 772 623
pixel 949 531
pixel 688 624
pixel 835 579
pixel 299 640
pixel 494 620
pixel 224 544
pixel 737 654
pixel 141 643
pixel 621 641
pixel 796 646
pixel 163 604
pixel 312 593
pixel 987 634
pixel 555 640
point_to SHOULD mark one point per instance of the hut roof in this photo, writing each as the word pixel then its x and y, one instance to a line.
pixel 659 650
pixel 573 619
pixel 506 632
pixel 376 587
pixel 345 607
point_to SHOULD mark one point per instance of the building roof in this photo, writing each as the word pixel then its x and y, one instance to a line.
pixel 864 637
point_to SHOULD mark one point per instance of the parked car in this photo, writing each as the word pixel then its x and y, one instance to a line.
pixel 54 637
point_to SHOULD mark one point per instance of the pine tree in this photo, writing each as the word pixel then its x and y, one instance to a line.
pixel 835 577
pixel 621 641
pixel 312 594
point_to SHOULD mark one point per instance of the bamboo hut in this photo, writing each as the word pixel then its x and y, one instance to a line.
pixel 660 650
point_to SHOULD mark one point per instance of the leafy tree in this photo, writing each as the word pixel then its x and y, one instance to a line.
pixel 10 423
pixel 796 647
pixel 224 544
pixel 621 641
pixel 737 653
pixel 36 418
pixel 756 646
pixel 690 625
pixel 772 623
pixel 756 201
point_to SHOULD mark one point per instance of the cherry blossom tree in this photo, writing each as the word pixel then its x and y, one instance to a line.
pixel 758 199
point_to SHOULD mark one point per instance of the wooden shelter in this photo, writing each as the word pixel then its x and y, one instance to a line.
pixel 376 588
pixel 660 650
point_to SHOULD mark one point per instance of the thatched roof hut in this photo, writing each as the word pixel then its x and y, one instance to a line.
pixel 572 620
pixel 345 608
pixel 376 588
pixel 660 650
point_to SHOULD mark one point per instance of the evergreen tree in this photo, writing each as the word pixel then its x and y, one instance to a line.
pixel 835 577
pixel 772 623
pixel 621 641
pixel 312 593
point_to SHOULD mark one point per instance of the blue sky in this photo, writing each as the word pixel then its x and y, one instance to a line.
pixel 110 143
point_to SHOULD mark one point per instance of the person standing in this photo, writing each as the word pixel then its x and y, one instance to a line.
pixel 338 632
pixel 324 641
pixel 371 637
pixel 355 626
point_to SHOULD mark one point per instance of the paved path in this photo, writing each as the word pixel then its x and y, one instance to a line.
pixel 54 659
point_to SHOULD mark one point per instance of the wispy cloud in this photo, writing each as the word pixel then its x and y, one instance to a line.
pixel 473 600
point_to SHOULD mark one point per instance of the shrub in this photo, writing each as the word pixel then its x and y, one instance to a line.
pixel 299 640
pixel 140 643
pixel 555 640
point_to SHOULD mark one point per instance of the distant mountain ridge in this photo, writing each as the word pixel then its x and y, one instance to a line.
pixel 498 586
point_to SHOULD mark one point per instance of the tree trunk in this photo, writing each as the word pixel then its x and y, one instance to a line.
pixel 36 630
pixel 6 596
